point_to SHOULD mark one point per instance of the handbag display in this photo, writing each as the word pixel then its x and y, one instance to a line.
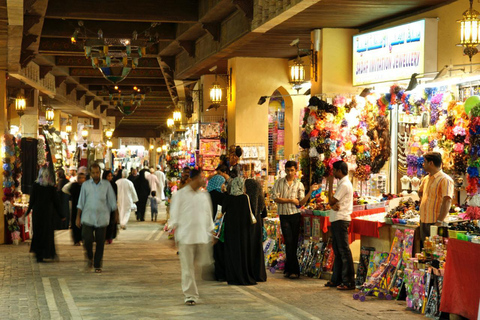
pixel 252 216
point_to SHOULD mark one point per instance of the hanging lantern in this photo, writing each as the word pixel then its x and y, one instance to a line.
pixel 49 115
pixel 177 116
pixel 170 123
pixel 109 144
pixel 85 133
pixel 152 146
pixel 470 31
pixel 215 93
pixel 20 105
pixel 109 134
pixel 164 147
pixel 159 149
pixel 297 72
pixel 68 128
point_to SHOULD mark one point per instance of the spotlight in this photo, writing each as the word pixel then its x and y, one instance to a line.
pixel 262 100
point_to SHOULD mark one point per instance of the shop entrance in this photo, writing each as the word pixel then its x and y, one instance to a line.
pixel 276 132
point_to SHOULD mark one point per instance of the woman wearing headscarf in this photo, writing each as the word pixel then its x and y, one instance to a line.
pixel 73 189
pixel 237 235
pixel 64 201
pixel 257 200
pixel 142 188
pixel 45 203
pixel 111 232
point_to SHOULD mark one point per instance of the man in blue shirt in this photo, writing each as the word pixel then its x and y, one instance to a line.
pixel 97 199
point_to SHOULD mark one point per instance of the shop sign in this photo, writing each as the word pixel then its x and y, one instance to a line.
pixel 395 53
pixel 132 142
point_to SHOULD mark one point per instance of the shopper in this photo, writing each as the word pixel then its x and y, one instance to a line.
pixel 289 194
pixel 73 189
pixel 343 276
pixel 64 201
pixel 154 205
pixel 127 196
pixel 73 174
pixel 44 202
pixel 185 178
pixel 133 175
pixel 254 190
pixel 111 232
pixel 238 235
pixel 216 186
pixel 96 202
pixel 161 179
pixel 234 154
pixel 190 215
pixel 153 181
pixel 436 194
pixel 142 187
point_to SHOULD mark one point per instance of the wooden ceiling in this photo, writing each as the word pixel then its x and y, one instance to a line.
pixel 191 37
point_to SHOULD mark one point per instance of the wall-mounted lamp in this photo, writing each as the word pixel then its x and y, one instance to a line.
pixel 470 31
pixel 159 149
pixel 109 133
pixel 297 69
pixel 109 144
pixel 164 147
pixel 215 92
pixel 152 146
pixel 68 127
pixel 177 117
pixel 85 132
pixel 49 115
pixel 170 123
pixel 20 105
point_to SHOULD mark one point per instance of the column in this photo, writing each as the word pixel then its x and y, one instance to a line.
pixel 3 128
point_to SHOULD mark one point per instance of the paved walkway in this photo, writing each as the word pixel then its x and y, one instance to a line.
pixel 141 280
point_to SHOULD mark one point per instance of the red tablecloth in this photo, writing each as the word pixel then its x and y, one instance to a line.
pixel 461 284
pixel 367 228
pixel 364 227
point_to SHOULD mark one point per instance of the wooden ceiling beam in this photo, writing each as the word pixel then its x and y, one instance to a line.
pixel 188 46
pixel 127 88
pixel 95 73
pixel 29 21
pixel 63 46
pixel 59 28
pixel 70 87
pixel 81 61
pixel 140 132
pixel 59 80
pixel 147 82
pixel 88 99
pixel 44 70
pixel 175 11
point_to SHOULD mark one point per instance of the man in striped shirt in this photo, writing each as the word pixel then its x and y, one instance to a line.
pixel 436 193
pixel 289 194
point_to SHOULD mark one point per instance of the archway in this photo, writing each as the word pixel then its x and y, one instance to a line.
pixel 279 129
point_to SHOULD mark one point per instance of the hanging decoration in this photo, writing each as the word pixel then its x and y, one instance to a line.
pixel 127 105
pixel 115 57
pixel 355 130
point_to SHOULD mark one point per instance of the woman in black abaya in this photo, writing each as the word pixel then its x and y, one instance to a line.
pixel 111 232
pixel 64 201
pixel 45 203
pixel 238 226
pixel 142 187
pixel 254 190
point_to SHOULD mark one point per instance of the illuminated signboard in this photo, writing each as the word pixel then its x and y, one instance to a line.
pixel 395 53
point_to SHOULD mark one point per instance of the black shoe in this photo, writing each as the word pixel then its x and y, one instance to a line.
pixel 39 259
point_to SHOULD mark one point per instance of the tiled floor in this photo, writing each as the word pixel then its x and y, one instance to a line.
pixel 141 280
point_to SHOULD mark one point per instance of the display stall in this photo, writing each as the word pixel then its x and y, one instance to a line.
pixel 212 145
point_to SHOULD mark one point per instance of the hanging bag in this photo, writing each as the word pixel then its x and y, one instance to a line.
pixel 253 220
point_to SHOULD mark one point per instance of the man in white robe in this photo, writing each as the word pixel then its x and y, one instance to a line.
pixel 126 198
pixel 161 178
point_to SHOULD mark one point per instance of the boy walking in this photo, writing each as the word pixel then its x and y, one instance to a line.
pixel 154 205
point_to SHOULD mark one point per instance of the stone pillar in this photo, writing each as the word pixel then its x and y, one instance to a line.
pixel 3 128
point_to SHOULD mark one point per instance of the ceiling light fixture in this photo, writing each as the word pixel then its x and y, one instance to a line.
pixel 20 105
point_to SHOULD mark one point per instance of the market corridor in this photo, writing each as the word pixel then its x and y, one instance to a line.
pixel 141 280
